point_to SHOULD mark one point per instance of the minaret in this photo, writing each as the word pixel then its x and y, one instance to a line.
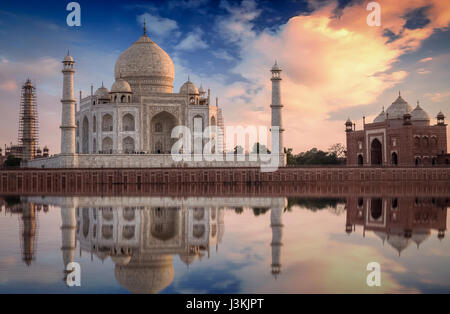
pixel 68 227
pixel 28 233
pixel 68 108
pixel 28 124
pixel 277 235
pixel 276 106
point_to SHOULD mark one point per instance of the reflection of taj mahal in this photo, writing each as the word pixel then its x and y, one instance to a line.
pixel 142 241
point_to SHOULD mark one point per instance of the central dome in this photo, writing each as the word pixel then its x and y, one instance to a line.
pixel 146 67
pixel 398 108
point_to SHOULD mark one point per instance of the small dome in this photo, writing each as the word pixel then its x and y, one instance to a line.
pixel 276 67
pixel 189 88
pixel 420 236
pixel 349 122
pixel 120 86
pixel 201 90
pixel 398 241
pixel 440 115
pixel 68 58
pixel 418 114
pixel 381 117
pixel 102 93
pixel 398 108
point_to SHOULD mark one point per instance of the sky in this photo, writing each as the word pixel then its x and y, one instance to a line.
pixel 334 64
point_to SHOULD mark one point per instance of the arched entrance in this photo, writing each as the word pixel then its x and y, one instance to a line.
pixel 376 208
pixel 360 160
pixel 394 159
pixel 164 223
pixel 128 145
pixel 162 125
pixel 376 153
pixel 107 145
pixel 85 137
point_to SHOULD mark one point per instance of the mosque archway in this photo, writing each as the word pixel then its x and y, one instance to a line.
pixel 394 159
pixel 128 123
pixel 128 145
pixel 376 208
pixel 107 145
pixel 161 127
pixel 164 223
pixel 107 123
pixel 360 160
pixel 85 136
pixel 376 153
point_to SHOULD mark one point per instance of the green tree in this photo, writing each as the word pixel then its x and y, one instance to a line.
pixel 12 161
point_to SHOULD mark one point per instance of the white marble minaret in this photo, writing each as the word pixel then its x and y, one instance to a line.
pixel 68 227
pixel 277 236
pixel 276 106
pixel 68 108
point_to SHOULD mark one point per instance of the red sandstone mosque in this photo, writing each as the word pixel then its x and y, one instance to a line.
pixel 399 136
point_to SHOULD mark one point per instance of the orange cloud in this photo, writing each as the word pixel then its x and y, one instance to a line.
pixel 330 64
pixel 8 85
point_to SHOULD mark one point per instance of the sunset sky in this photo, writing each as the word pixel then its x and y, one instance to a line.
pixel 334 65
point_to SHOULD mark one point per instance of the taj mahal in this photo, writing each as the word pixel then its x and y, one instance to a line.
pixel 131 124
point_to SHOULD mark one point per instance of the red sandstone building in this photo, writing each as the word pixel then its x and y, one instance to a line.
pixel 400 136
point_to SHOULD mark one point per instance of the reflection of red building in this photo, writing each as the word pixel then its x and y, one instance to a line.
pixel 399 221
pixel 400 136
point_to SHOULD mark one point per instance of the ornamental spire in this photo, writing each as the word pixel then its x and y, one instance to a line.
pixel 145 27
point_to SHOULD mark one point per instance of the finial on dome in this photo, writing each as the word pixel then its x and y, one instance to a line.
pixel 399 94
pixel 145 27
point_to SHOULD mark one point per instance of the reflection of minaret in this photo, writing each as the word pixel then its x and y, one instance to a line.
pixel 68 235
pixel 277 235
pixel 28 233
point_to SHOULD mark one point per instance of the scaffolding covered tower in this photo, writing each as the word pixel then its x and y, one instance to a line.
pixel 28 121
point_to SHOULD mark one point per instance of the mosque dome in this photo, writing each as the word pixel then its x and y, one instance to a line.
pixel 146 277
pixel 420 236
pixel 102 93
pixel 120 86
pixel 189 88
pixel 145 63
pixel 381 117
pixel 398 242
pixel 398 108
pixel 418 114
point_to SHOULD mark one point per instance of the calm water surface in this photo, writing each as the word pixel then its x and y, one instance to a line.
pixel 224 244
